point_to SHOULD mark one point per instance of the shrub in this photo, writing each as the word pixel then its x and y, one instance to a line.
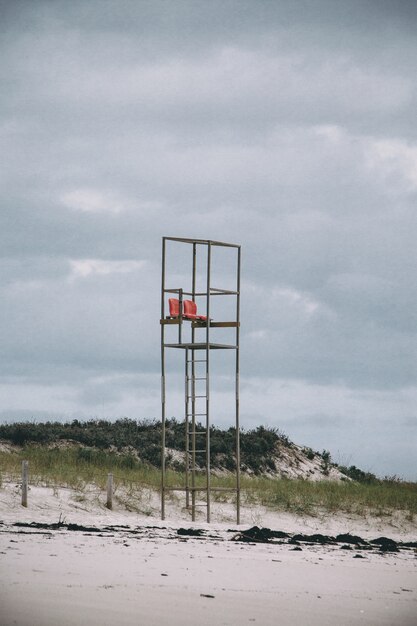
pixel 310 454
pixel 358 475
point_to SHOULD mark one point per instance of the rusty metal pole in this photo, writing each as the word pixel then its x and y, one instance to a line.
pixel 237 384
pixel 208 482
pixel 187 432
pixel 163 477
pixel 193 404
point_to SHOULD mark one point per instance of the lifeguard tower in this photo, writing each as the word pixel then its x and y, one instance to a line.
pixel 194 334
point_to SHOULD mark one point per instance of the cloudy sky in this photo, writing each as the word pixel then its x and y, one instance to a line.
pixel 288 127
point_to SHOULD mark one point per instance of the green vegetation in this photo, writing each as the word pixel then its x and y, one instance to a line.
pixel 380 497
pixel 78 467
pixel 258 447
pixel 358 475
pixel 77 454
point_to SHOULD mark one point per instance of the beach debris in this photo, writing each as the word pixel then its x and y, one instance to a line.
pixel 259 535
pixel 190 532
pixel 57 526
pixel 252 535
pixel 385 544
pixel 266 535
pixel 348 538
pixel 316 538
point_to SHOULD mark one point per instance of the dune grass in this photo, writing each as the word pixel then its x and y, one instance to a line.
pixel 378 498
pixel 77 467
pixel 73 466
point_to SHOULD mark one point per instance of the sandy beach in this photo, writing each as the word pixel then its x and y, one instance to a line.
pixel 68 563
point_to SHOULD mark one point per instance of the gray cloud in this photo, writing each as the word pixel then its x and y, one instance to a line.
pixel 287 127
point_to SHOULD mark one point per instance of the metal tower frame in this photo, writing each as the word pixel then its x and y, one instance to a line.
pixel 193 437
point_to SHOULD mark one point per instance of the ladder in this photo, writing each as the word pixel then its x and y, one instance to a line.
pixel 197 429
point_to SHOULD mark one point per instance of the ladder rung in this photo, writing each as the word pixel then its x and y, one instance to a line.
pixel 198 432
pixel 191 397
pixel 197 414
pixel 199 451
pixel 197 361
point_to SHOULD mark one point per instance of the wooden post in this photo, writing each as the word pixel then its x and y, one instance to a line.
pixel 25 473
pixel 109 503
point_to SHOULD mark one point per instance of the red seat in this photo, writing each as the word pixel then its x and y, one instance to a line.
pixel 174 307
pixel 190 311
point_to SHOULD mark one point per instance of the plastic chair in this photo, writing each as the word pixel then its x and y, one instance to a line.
pixel 190 311
pixel 174 307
